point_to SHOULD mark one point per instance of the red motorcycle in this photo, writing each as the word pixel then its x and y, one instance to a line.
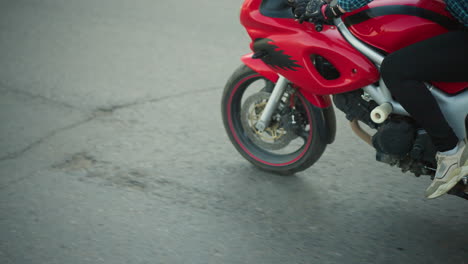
pixel 277 107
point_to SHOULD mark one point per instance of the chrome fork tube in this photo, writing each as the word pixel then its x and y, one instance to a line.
pixel 375 57
pixel 272 104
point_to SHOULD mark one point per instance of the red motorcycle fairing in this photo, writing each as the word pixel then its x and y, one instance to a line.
pixel 289 49
pixel 260 67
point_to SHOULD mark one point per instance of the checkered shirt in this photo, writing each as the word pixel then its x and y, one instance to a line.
pixel 458 8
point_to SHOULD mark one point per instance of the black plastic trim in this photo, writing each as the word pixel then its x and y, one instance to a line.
pixel 276 9
pixel 327 125
pixel 325 67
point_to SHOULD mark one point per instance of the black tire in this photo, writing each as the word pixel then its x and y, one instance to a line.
pixel 288 164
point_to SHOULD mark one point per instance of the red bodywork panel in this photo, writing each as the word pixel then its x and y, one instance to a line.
pixel 299 42
pixel 259 66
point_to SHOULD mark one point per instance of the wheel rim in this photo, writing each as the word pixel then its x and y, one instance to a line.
pixel 234 109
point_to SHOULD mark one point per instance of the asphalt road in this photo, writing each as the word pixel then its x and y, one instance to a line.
pixel 112 150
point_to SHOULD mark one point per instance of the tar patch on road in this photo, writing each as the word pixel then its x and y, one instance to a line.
pixel 77 161
pixel 87 168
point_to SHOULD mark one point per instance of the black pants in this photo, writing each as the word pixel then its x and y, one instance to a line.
pixel 443 58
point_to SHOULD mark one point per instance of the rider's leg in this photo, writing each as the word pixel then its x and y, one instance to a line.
pixel 443 58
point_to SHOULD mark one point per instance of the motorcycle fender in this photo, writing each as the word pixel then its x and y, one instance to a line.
pixel 326 119
pixel 326 122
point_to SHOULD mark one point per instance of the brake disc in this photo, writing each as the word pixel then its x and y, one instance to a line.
pixel 276 136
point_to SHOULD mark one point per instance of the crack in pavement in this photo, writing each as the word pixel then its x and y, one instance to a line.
pixel 8 89
pixel 17 154
pixel 93 116
pixel 113 108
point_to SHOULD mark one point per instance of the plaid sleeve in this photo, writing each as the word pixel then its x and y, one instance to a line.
pixel 350 5
pixel 459 10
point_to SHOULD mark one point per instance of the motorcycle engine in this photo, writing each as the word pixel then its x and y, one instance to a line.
pixel 398 142
pixel 395 137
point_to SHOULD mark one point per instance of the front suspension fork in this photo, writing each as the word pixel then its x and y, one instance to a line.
pixel 272 104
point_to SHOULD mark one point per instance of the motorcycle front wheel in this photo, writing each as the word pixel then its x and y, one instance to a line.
pixel 290 144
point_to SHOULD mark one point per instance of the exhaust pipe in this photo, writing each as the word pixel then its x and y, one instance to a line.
pixel 360 132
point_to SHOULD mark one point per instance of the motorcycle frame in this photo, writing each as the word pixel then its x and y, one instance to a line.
pixel 454 107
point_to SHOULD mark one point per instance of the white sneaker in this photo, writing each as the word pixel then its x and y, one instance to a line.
pixel 450 170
